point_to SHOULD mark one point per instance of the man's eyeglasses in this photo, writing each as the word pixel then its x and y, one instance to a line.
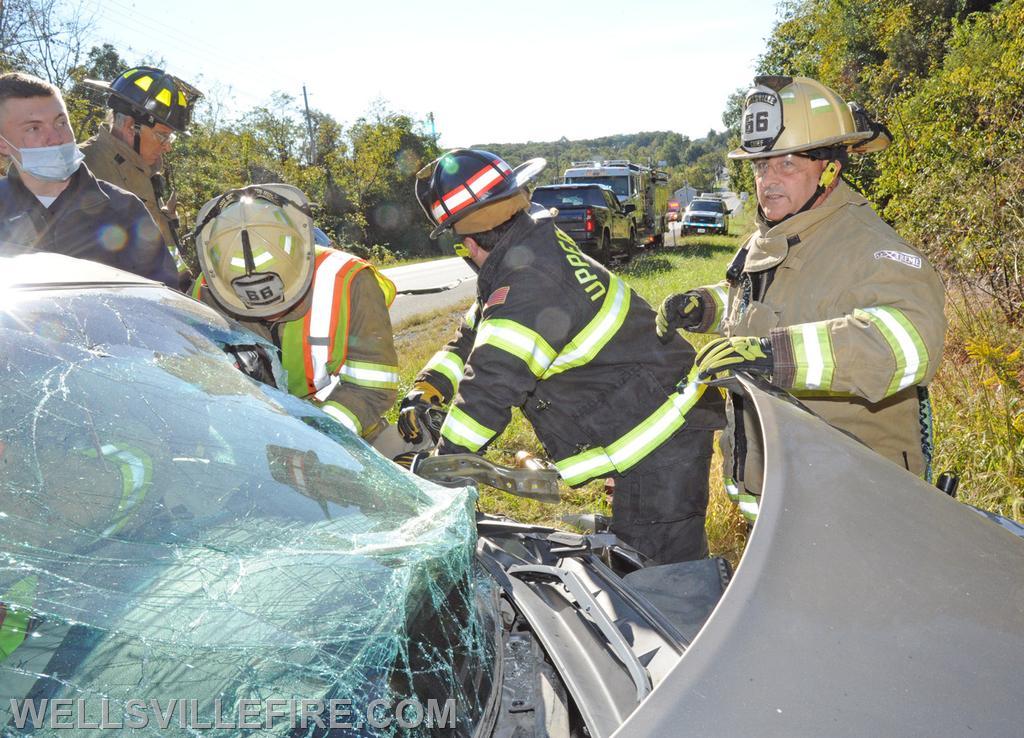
pixel 784 166
pixel 164 139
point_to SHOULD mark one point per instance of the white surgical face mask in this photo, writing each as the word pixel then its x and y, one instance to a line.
pixel 49 163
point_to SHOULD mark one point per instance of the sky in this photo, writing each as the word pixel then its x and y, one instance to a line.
pixel 489 73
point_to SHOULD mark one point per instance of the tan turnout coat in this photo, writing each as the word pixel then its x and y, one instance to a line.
pixel 856 321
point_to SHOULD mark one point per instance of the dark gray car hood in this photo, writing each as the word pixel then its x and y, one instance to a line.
pixel 867 603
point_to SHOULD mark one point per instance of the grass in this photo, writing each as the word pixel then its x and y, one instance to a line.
pixel 978 401
pixel 696 260
pixel 978 396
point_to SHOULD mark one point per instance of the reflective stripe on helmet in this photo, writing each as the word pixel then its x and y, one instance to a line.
pixel 470 192
pixel 632 447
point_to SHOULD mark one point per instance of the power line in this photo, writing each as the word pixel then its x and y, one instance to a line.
pixel 149 31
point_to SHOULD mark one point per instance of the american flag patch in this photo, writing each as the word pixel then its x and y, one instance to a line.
pixel 497 297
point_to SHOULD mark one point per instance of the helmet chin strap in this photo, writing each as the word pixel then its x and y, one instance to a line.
pixel 828 176
pixel 138 136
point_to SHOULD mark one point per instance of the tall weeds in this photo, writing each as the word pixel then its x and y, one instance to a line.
pixel 978 397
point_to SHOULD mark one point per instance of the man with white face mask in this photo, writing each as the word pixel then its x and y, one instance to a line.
pixel 49 201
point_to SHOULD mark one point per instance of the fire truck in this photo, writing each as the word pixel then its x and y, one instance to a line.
pixel 644 188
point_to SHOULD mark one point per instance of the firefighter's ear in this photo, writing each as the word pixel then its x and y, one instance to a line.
pixel 475 251
pixel 829 173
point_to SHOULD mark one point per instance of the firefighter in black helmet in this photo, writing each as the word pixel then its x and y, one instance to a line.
pixel 554 333
pixel 148 109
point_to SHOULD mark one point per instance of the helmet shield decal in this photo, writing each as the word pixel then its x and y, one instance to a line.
pixel 762 120
pixel 259 289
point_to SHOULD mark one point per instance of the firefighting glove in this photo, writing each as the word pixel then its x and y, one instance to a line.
pixel 681 310
pixel 253 361
pixel 411 460
pixel 742 353
pixel 414 414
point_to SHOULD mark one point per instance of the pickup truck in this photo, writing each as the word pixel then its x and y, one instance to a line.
pixel 592 215
pixel 706 215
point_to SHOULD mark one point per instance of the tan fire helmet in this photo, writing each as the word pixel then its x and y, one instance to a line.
pixel 255 247
pixel 789 115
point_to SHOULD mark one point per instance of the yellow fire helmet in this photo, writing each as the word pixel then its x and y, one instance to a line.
pixel 789 115
pixel 255 247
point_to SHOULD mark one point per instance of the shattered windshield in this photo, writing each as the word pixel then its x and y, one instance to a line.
pixel 175 534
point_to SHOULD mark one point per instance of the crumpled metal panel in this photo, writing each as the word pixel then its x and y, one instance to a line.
pixel 170 529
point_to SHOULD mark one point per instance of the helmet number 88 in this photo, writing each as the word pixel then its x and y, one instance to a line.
pixel 265 293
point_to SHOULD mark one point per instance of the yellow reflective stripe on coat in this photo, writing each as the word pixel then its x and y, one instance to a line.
pixel 472 315
pixel 448 364
pixel 813 355
pixel 632 447
pixel 906 343
pixel 748 504
pixel 720 296
pixel 136 469
pixel 460 429
pixel 343 415
pixel 517 340
pixel 367 374
pixel 321 312
pixel 15 615
pixel 586 344
pixel 386 286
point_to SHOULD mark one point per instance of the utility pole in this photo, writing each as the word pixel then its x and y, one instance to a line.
pixel 433 130
pixel 309 127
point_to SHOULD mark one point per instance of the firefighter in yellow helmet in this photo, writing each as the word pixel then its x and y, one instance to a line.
pixel 325 310
pixel 148 109
pixel 824 298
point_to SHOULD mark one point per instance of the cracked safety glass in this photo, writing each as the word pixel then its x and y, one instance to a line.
pixel 171 529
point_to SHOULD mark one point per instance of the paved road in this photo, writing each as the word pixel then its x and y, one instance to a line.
pixel 429 274
pixel 442 272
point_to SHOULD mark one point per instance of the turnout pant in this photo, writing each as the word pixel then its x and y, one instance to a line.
pixel 659 506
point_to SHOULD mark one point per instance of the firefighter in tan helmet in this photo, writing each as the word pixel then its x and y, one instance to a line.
pixel 325 310
pixel 824 298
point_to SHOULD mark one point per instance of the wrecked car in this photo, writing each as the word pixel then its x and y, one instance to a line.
pixel 184 549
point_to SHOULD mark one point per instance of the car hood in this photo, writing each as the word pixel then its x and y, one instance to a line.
pixel 866 603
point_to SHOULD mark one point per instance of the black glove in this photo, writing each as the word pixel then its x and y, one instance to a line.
pixel 410 460
pixel 681 310
pixel 420 409
pixel 253 361
pixel 742 353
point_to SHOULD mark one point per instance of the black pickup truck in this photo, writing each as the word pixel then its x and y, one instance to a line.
pixel 593 216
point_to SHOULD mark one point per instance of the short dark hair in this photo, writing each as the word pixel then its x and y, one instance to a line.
pixel 487 240
pixel 20 85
